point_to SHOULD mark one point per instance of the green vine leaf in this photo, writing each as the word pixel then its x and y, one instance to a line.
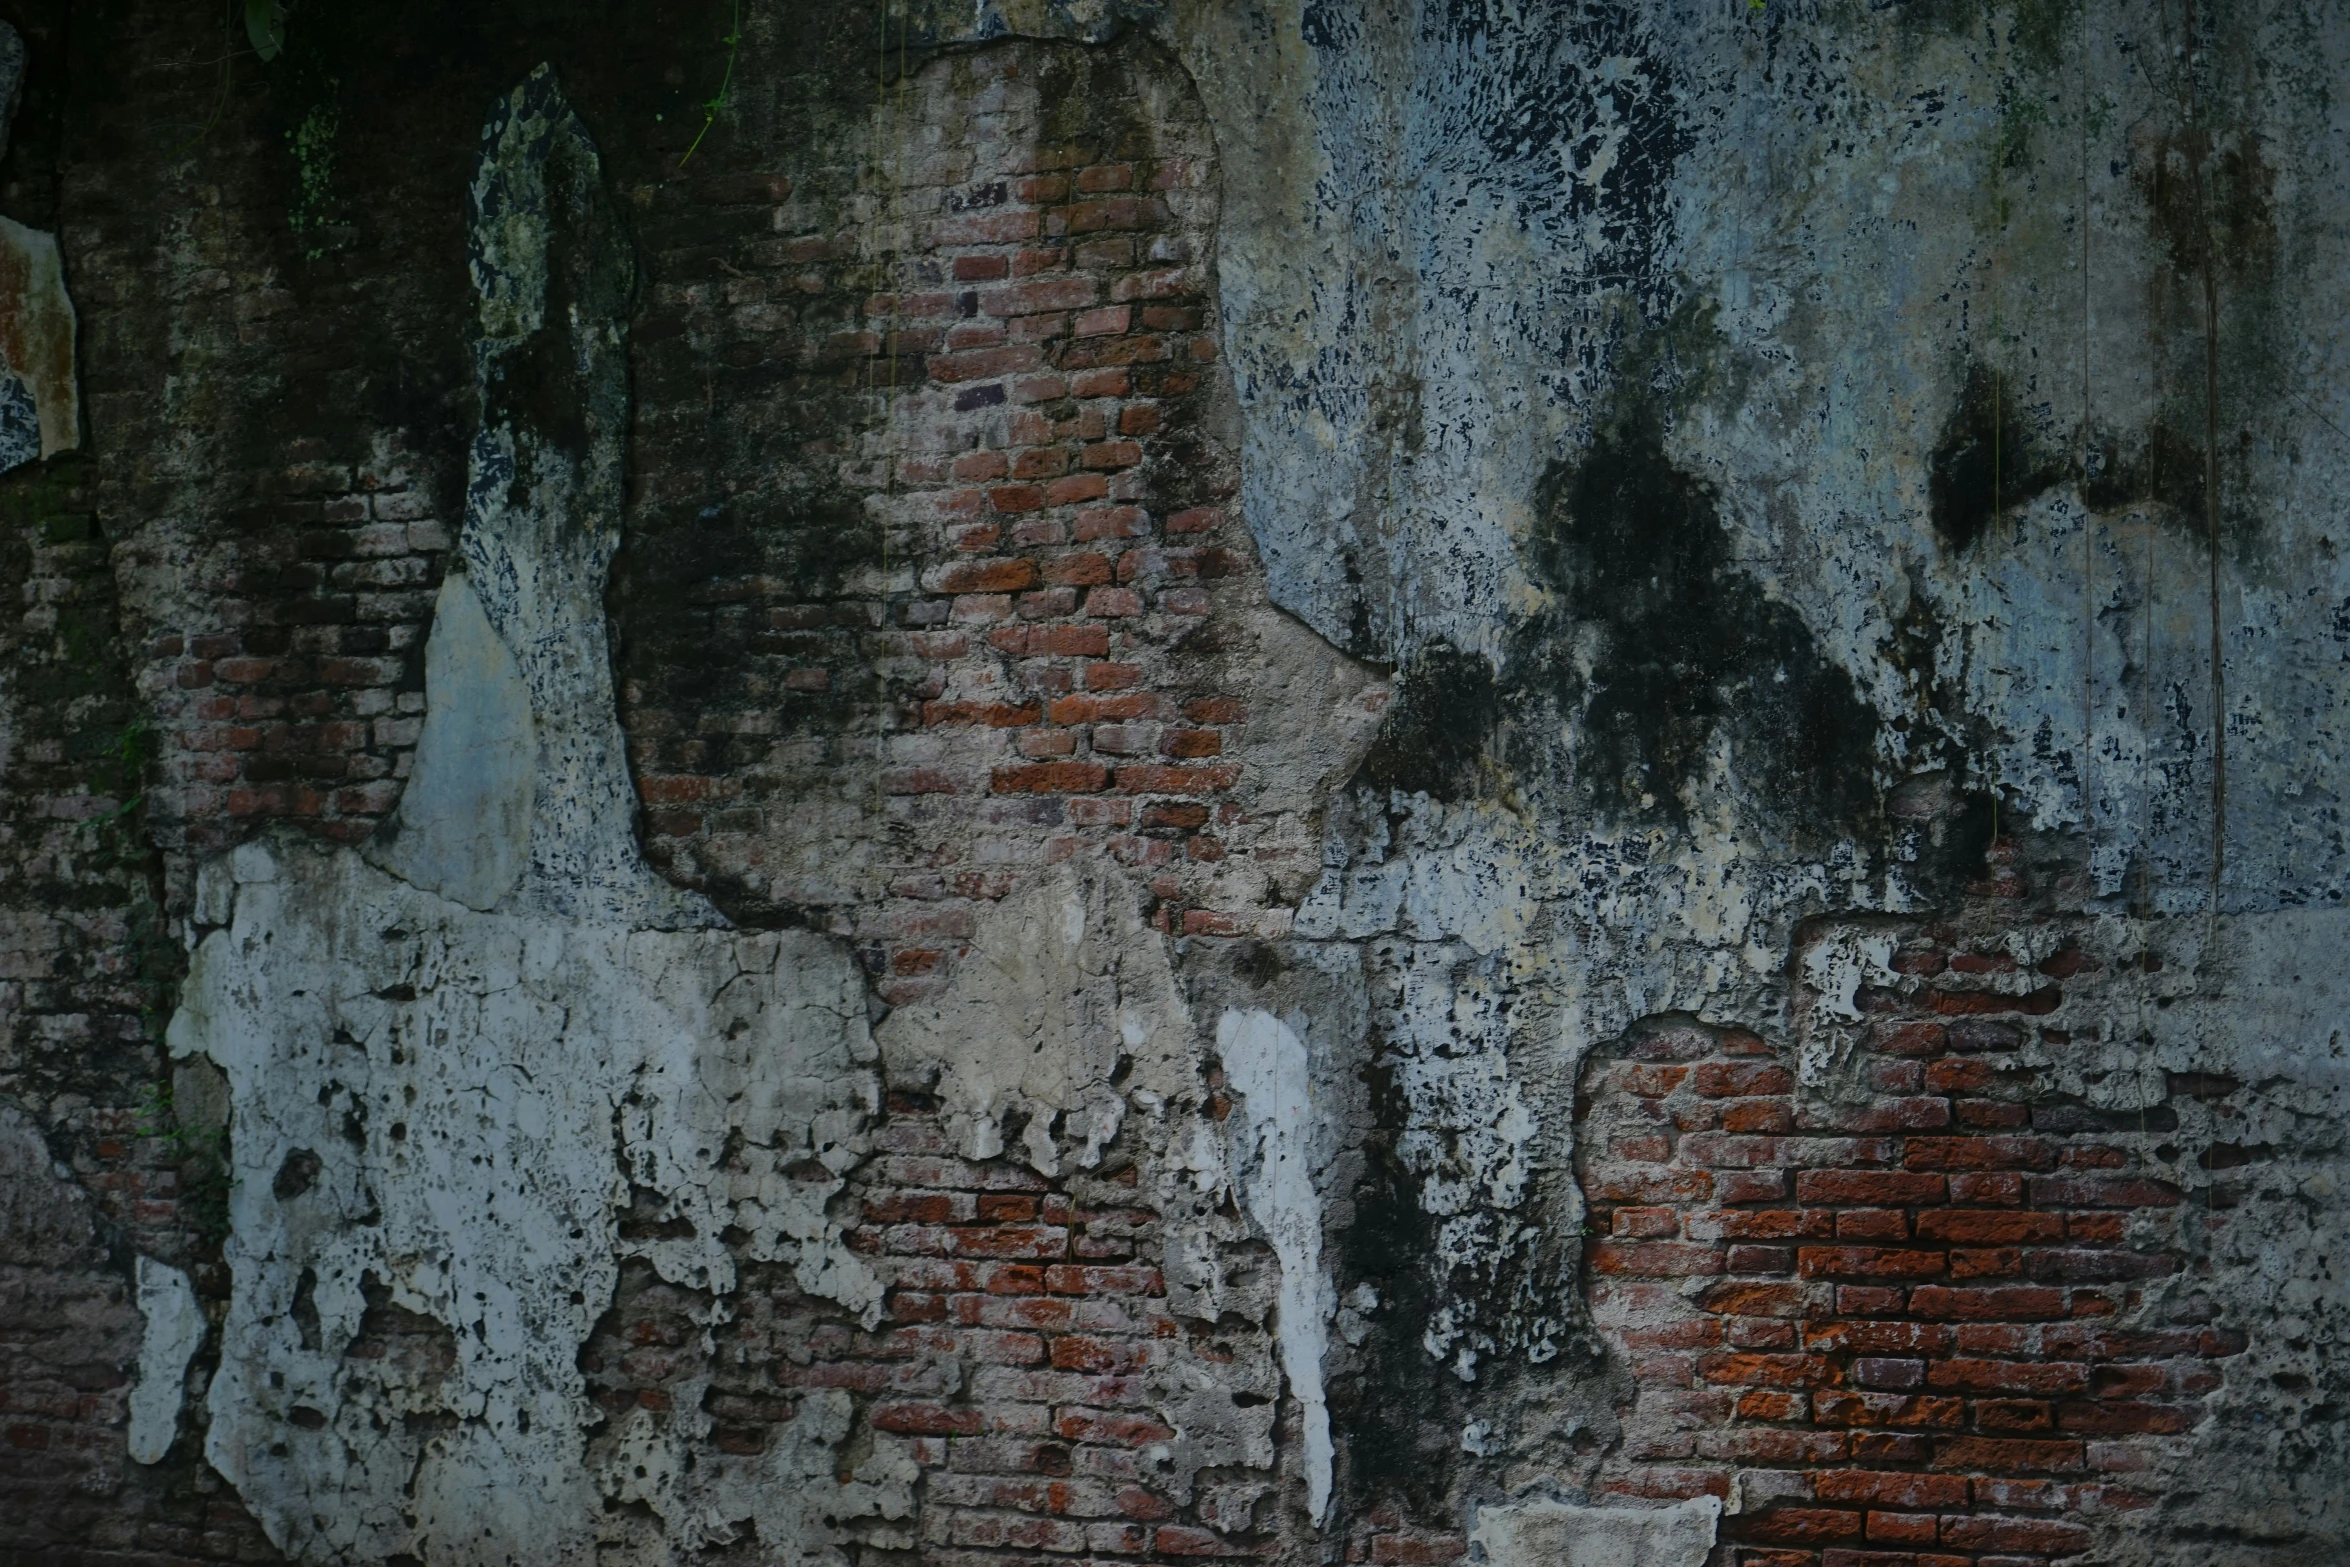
pixel 265 24
pixel 710 107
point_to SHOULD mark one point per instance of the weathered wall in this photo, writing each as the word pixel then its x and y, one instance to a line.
pixel 1150 780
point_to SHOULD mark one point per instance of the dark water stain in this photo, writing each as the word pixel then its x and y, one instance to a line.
pixel 1396 1410
pixel 1986 463
pixel 2210 199
pixel 2163 463
pixel 1688 646
pixel 1433 739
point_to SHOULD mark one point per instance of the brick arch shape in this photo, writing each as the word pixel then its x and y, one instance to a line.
pixel 1040 646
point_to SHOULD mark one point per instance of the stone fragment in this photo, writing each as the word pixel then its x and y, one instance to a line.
pixel 1559 1534
pixel 40 399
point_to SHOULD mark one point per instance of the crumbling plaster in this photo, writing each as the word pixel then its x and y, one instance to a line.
pixel 444 1100
pixel 1462 250
pixel 1465 246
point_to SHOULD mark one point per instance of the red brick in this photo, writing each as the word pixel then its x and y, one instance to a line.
pixel 1977 1227
pixel 2125 1419
pixel 1761 1300
pixel 1842 1408
pixel 2014 1414
pixel 1654 1259
pixel 1868 1262
pixel 1073 1352
pixel 929 1419
pixel 1800 1525
pixel 1999 1303
pixel 1754 1370
pixel 1073 489
pixel 1113 381
pixel 1113 603
pixel 1738 1079
pixel 981 364
pixel 2040 1378
pixel 2043 1536
pixel 1112 522
pixel 2006 1455
pixel 1912 1039
pixel 1015 497
pixel 1050 778
pixel 1868 1188
pixel 1741 1186
pixel 1979 1153
pixel 1873 1487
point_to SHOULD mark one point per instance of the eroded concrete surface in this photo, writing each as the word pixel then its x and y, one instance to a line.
pixel 1769 447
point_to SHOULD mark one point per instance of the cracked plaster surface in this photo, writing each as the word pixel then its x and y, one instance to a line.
pixel 446 1088
pixel 1628 201
pixel 1794 242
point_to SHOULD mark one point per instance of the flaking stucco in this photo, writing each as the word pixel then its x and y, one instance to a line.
pixel 1762 524
pixel 174 1330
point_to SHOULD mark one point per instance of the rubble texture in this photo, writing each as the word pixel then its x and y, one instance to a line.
pixel 1109 781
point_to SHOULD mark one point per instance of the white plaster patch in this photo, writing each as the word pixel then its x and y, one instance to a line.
pixel 448 1106
pixel 1558 1534
pixel 1265 1063
pixel 464 818
pixel 174 1331
pixel 1063 1005
pixel 789 1496
pixel 1837 966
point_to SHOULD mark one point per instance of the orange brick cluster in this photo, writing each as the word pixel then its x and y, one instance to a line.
pixel 1904 1327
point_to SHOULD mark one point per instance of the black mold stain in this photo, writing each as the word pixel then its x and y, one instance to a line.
pixel 1395 1412
pixel 2164 465
pixel 296 1175
pixel 1689 646
pixel 1434 736
pixel 1945 832
pixel 1985 448
pixel 2210 201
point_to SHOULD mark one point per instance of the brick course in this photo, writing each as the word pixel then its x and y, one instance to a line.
pixel 1903 1322
pixel 1038 559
